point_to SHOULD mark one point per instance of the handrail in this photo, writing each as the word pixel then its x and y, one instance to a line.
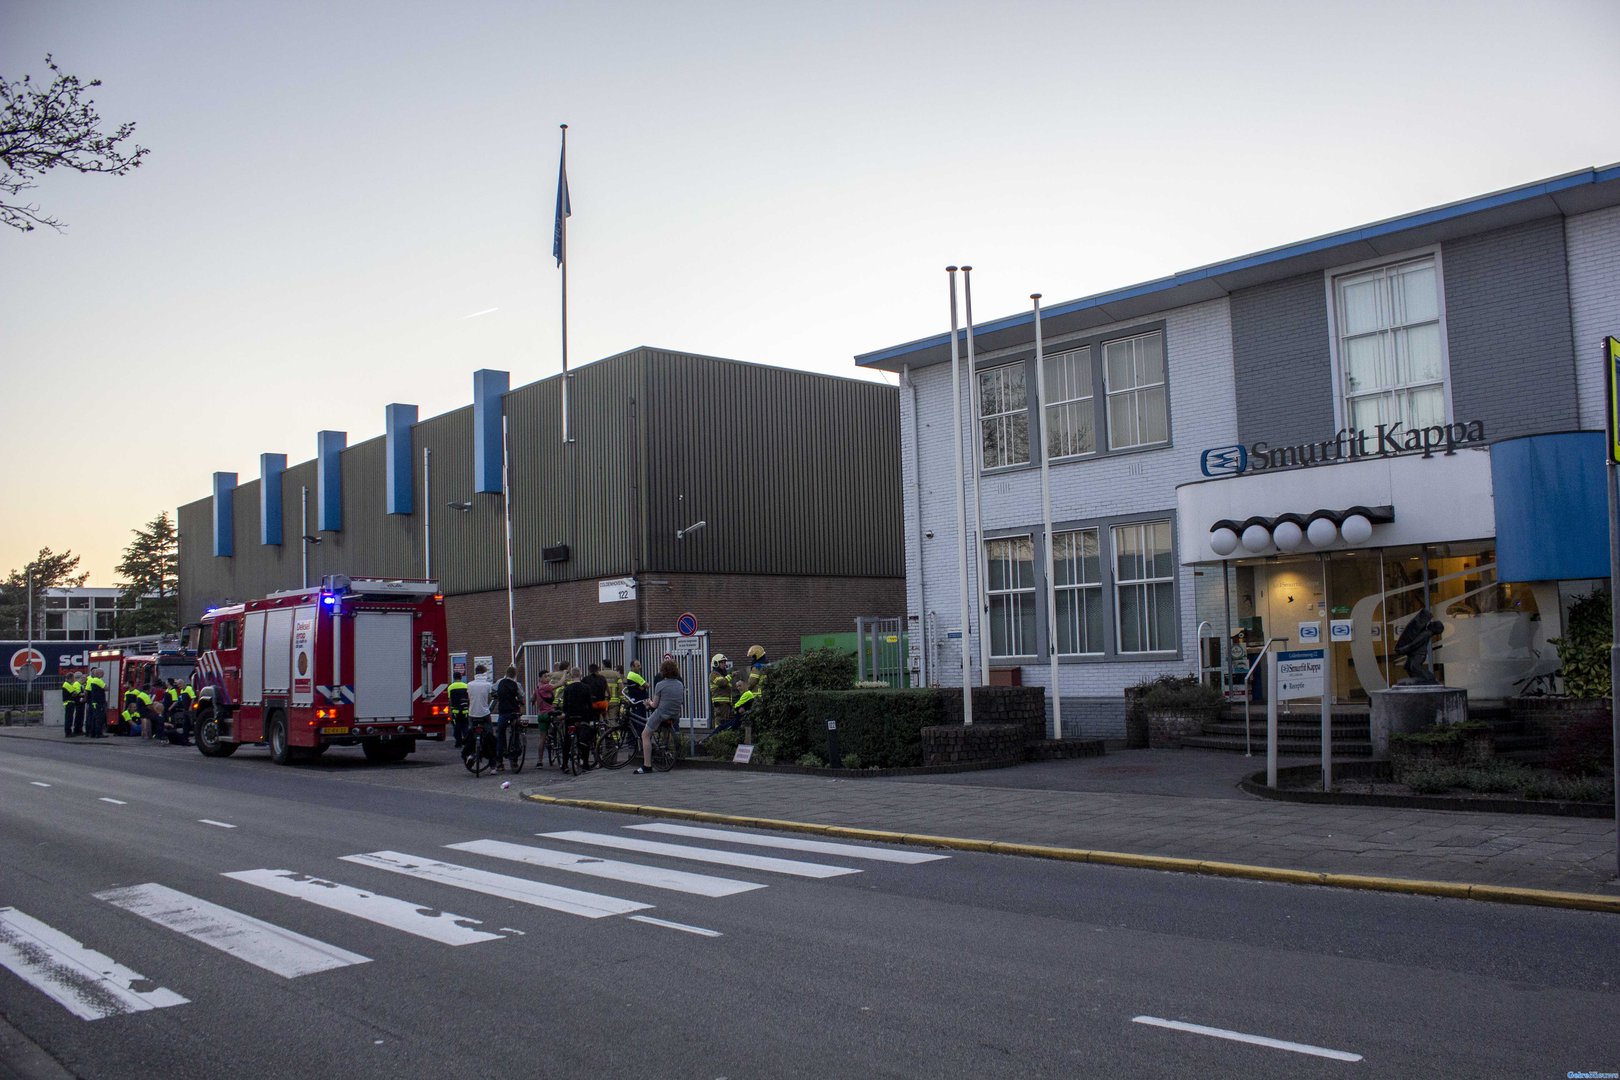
pixel 1254 667
pixel 1198 649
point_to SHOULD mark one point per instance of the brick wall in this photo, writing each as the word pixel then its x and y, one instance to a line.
pixel 1284 370
pixel 960 745
pixel 737 610
pixel 1508 329
pixel 1592 247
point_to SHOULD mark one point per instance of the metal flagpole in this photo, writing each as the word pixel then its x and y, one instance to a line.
pixel 427 513
pixel 1611 366
pixel 506 507
pixel 1046 512
pixel 560 250
pixel 980 607
pixel 303 541
pixel 28 684
pixel 961 508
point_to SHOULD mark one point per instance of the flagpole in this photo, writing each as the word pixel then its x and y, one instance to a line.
pixel 981 607
pixel 1046 512
pixel 562 261
pixel 961 509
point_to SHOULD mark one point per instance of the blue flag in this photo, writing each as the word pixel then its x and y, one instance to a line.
pixel 564 210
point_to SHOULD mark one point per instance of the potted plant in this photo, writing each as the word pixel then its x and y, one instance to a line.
pixel 1583 651
pixel 1175 707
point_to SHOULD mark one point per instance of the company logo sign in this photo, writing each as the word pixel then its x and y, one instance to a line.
pixel 1347 444
pixel 1224 461
pixel 27 664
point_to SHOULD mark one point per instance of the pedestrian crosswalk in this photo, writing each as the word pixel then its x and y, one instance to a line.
pixel 93 986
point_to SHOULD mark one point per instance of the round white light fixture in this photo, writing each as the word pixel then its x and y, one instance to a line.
pixel 1223 542
pixel 1322 532
pixel 1256 538
pixel 1287 536
pixel 1356 529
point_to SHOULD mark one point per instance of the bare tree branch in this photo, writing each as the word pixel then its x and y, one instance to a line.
pixel 56 127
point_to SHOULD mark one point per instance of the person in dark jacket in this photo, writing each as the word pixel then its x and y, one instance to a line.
pixel 579 714
pixel 508 710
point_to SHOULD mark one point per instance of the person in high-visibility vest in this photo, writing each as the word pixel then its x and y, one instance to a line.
pixel 95 706
pixel 72 706
pixel 458 706
pixel 615 689
pixel 722 692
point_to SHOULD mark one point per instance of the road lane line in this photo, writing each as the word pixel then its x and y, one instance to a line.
pixel 86 983
pixel 37 783
pixel 820 847
pixel 115 802
pixel 273 948
pixel 634 873
pixel 1238 1036
pixel 215 824
pixel 708 855
pixel 698 930
pixel 442 926
pixel 554 897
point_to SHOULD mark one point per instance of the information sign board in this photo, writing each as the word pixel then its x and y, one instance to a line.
pixel 1299 674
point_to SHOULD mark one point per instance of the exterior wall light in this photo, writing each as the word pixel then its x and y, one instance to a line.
pixel 1322 532
pixel 1356 529
pixel 1287 536
pixel 1256 538
pixel 1223 542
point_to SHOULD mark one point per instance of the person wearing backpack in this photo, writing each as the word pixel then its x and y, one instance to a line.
pixel 508 711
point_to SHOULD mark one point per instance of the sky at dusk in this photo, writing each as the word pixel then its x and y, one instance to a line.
pixel 350 203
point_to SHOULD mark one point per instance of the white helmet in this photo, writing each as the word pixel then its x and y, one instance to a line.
pixel 720 658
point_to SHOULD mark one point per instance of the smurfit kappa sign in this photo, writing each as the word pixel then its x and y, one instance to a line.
pixel 1347 444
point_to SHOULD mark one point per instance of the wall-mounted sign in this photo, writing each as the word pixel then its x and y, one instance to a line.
pixel 615 590
pixel 1310 632
pixel 1347 444
pixel 1341 630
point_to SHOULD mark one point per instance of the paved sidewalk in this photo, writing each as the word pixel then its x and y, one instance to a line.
pixel 1176 803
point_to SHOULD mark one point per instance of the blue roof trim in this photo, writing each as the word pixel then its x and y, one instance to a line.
pixel 1448 212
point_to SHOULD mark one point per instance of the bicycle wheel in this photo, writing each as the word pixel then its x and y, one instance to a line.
pixel 517 749
pixel 618 746
pixel 472 755
pixel 571 754
pixel 663 753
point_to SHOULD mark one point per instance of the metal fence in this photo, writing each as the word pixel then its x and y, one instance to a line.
pixel 880 650
pixel 538 656
pixel 18 693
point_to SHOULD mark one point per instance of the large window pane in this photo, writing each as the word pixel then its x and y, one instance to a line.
pixel 1010 591
pixel 1077 570
pixel 1144 587
pixel 1390 342
pixel 1070 410
pixel 1003 417
pixel 1134 379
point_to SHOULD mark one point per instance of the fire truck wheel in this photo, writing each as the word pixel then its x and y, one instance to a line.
pixel 208 741
pixel 276 736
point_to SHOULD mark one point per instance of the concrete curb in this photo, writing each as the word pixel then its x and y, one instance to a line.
pixel 1499 894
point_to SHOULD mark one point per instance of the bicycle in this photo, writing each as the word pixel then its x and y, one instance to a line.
pixel 478 751
pixel 577 746
pixel 551 746
pixel 620 744
pixel 517 746
pixel 663 743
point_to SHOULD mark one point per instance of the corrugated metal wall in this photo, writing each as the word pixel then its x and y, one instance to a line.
pixel 795 474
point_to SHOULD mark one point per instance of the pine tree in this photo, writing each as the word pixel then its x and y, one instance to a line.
pixel 150 569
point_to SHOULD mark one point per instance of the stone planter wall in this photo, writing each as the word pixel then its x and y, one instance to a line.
pixel 1165 730
pixel 1021 705
pixel 1550 715
pixel 957 745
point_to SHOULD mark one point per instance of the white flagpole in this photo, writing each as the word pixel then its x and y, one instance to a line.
pixel 562 225
pixel 974 450
pixel 961 509
pixel 506 508
pixel 1046 513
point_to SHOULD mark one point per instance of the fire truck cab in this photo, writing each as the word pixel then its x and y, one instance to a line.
pixel 355 662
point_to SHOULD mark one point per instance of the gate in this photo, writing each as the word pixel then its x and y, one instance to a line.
pixel 538 656
pixel 880 650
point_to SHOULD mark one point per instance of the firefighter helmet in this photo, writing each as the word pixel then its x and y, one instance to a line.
pixel 755 652
pixel 720 658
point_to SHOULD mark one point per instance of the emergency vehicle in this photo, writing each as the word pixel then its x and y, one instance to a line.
pixel 355 662
pixel 150 672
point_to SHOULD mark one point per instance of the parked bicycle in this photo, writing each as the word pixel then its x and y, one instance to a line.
pixel 517 745
pixel 478 749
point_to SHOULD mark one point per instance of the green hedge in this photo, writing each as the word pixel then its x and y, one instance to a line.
pixel 879 728
pixel 781 730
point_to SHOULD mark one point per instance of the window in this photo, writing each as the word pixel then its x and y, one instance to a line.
pixel 1003 417
pixel 106 603
pixel 1391 360
pixel 225 635
pixel 1133 371
pixel 1071 413
pixel 1011 593
pixel 1144 587
pixel 1077 586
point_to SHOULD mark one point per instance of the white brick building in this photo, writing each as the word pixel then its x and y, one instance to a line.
pixel 1475 326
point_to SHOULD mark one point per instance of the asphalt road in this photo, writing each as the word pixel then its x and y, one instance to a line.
pixel 828 965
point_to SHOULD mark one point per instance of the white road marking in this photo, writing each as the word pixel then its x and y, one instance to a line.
pixel 636 874
pixel 554 897
pixel 273 948
pixel 115 802
pixel 1238 1036
pixel 820 847
pixel 698 930
pixel 84 982
pixel 708 855
pixel 215 824
pixel 442 926
pixel 37 783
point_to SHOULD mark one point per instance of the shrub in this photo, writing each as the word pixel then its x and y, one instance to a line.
pixel 1584 648
pixel 722 746
pixel 1177 693
pixel 882 728
pixel 811 760
pixel 781 710
pixel 1499 776
pixel 768 750
pixel 1432 780
pixel 851 761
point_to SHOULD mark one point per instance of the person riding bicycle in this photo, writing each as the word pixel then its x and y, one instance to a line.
pixel 579 717
pixel 480 739
pixel 508 712
pixel 668 700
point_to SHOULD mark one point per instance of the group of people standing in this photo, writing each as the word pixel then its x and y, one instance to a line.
pixel 478 703
pixel 159 709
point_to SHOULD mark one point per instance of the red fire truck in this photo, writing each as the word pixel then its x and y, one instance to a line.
pixel 355 662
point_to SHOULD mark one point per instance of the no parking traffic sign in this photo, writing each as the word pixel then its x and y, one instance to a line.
pixel 686 625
